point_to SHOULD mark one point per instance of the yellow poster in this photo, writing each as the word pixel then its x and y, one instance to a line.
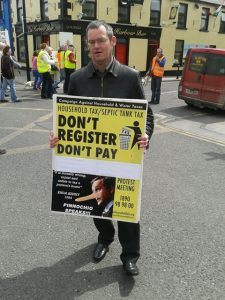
pixel 98 156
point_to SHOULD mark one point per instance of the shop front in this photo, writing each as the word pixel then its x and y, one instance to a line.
pixel 135 45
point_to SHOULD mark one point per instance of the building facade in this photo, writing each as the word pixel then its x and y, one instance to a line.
pixel 141 26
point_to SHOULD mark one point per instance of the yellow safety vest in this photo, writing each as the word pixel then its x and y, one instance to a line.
pixel 68 64
pixel 42 66
pixel 156 69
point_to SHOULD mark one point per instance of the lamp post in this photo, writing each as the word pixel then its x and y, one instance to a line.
pixel 25 40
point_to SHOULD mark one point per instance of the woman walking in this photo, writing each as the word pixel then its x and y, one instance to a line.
pixel 7 67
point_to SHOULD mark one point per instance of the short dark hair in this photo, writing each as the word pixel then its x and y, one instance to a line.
pixel 5 50
pixel 108 182
pixel 35 53
pixel 98 23
pixel 43 46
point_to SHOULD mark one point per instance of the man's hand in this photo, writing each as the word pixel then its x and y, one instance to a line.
pixel 143 142
pixel 53 140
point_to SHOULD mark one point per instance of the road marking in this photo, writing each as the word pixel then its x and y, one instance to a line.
pixel 25 108
pixel 163 122
pixel 12 135
pixel 198 136
pixel 169 92
pixel 22 129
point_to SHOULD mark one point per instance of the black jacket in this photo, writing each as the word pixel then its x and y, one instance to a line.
pixel 119 81
pixel 7 67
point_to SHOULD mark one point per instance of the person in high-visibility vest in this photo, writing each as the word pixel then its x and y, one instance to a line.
pixel 70 66
pixel 61 65
pixel 156 72
pixel 44 67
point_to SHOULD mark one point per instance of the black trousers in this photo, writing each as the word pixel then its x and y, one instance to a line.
pixel 129 237
pixel 46 89
pixel 68 72
pixel 156 88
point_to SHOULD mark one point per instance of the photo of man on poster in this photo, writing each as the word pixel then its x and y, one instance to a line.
pixel 103 189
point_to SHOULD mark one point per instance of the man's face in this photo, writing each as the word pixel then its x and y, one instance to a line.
pixel 100 46
pixel 159 53
pixel 101 193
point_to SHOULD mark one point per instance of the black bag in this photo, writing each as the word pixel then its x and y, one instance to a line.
pixel 54 68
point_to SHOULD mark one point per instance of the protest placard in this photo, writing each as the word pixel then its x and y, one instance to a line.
pixel 97 165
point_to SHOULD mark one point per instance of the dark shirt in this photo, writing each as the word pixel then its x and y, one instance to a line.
pixel 7 67
pixel 118 81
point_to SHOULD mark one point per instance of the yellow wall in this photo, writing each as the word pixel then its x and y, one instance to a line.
pixel 138 54
pixel 77 43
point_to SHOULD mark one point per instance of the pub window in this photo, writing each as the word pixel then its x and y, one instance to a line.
pixel 123 12
pixel 204 19
pixel 182 16
pixel 21 53
pixel 19 10
pixel 44 9
pixel 155 12
pixel 89 10
pixel 178 53
pixel 37 41
pixel 222 22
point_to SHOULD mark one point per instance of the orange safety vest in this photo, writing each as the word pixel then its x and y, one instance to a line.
pixel 61 59
pixel 156 69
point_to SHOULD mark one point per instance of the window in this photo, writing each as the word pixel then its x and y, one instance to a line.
pixel 123 12
pixel 222 22
pixel 89 10
pixel 155 12
pixel 44 9
pixel 204 19
pixel 198 62
pixel 182 16
pixel 19 10
pixel 21 53
pixel 216 65
pixel 178 54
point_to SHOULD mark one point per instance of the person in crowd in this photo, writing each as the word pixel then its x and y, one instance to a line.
pixel 61 63
pixel 44 63
pixel 36 74
pixel 156 72
pixel 104 76
pixel 7 69
pixel 70 66
pixel 54 70
pixel 2 45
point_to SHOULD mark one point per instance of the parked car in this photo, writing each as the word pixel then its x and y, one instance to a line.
pixel 203 78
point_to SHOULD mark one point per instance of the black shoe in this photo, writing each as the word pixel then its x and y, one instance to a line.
pixel 2 151
pixel 3 101
pixel 100 251
pixel 43 97
pixel 131 268
pixel 17 100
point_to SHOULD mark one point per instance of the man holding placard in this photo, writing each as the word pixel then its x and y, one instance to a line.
pixel 105 77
